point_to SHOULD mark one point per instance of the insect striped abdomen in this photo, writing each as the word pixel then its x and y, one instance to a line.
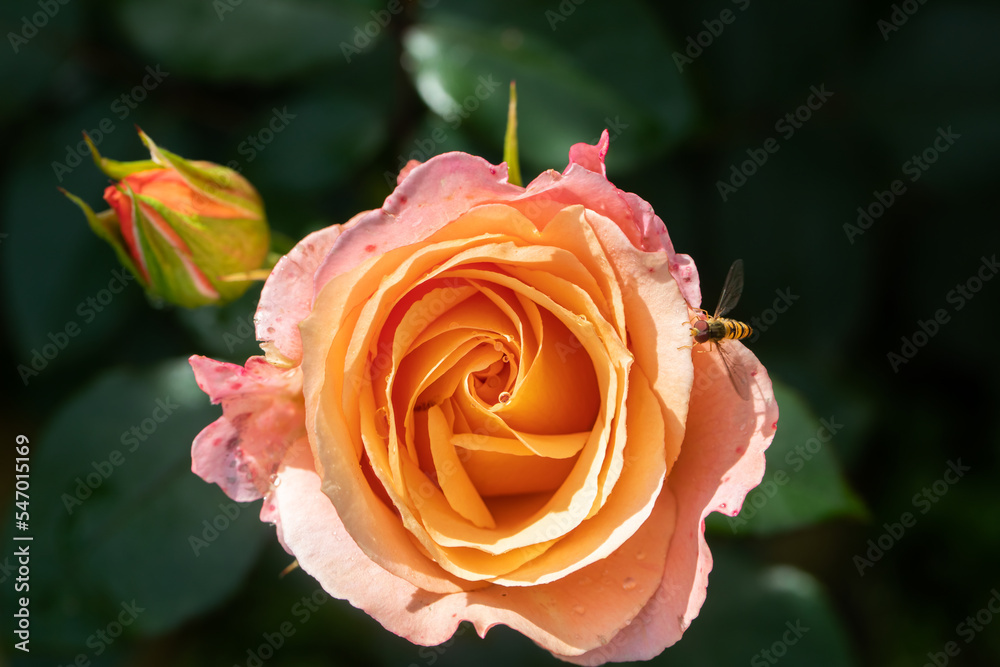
pixel 714 329
pixel 734 329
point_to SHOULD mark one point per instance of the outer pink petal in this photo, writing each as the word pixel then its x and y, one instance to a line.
pixel 640 223
pixel 721 460
pixel 433 193
pixel 590 156
pixel 430 196
pixel 262 414
pixel 405 171
pixel 583 182
pixel 287 296
pixel 567 616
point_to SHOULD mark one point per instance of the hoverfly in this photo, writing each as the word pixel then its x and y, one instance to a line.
pixel 716 329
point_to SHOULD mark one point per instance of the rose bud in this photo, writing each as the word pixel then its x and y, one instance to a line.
pixel 184 228
pixel 480 403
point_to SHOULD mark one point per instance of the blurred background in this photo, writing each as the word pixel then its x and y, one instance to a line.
pixel 845 150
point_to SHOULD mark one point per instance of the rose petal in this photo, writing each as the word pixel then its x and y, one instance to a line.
pixel 287 297
pixel 721 460
pixel 405 171
pixel 437 191
pixel 326 322
pixel 433 194
pixel 217 459
pixel 262 414
pixel 593 603
pixel 590 156
pixel 657 315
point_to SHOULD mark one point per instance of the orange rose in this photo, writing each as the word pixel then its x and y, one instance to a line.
pixel 475 405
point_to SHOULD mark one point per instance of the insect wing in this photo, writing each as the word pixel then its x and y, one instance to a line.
pixel 738 373
pixel 732 290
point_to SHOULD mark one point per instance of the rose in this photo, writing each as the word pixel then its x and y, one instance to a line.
pixel 476 404
pixel 183 228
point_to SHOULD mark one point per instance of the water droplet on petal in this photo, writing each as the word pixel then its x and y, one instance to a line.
pixel 274 479
pixel 505 358
pixel 580 609
pixel 628 584
pixel 504 396
pixel 498 346
pixel 382 422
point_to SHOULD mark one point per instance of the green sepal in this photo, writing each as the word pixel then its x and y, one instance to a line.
pixel 107 227
pixel 510 155
pixel 214 181
pixel 115 169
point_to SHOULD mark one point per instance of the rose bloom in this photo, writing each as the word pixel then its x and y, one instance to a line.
pixel 475 404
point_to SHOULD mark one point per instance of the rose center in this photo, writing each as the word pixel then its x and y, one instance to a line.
pixel 496 380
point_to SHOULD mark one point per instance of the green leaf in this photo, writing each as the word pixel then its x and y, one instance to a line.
pixel 778 609
pixel 329 136
pixel 254 40
pixel 803 483
pixel 464 54
pixel 117 514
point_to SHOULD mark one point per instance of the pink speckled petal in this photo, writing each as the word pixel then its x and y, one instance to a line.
pixel 287 296
pixel 721 460
pixel 437 191
pixel 686 274
pixel 216 458
pixel 262 414
pixel 405 171
pixel 591 156
pixel 433 194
